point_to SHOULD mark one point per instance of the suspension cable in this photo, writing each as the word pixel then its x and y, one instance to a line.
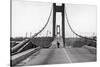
pixel 73 30
pixel 42 28
pixel 30 40
pixel 44 25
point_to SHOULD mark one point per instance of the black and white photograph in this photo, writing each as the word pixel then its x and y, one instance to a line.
pixel 45 33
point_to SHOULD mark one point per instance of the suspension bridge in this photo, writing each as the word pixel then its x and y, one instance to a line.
pixel 52 49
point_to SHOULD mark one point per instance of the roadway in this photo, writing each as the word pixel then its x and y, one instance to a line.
pixel 54 55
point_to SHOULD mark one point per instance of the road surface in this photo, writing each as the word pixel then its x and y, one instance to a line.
pixel 60 55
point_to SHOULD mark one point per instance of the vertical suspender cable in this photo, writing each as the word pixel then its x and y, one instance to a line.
pixel 73 30
pixel 30 40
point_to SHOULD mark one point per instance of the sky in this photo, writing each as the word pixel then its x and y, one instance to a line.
pixel 30 16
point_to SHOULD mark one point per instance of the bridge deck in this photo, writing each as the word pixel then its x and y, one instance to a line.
pixel 59 55
pixel 54 55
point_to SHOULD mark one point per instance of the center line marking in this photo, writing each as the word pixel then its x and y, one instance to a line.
pixel 67 56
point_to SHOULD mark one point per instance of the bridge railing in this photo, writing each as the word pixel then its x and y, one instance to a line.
pixel 15 59
pixel 18 46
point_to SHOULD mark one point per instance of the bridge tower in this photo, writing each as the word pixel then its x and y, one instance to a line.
pixel 61 9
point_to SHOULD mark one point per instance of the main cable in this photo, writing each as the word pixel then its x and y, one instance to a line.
pixel 73 30
pixel 44 25
pixel 31 39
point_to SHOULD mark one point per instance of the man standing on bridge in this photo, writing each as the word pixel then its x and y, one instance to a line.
pixel 58 44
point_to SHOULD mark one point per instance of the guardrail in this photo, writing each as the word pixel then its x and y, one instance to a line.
pixel 15 48
pixel 15 59
pixel 92 50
